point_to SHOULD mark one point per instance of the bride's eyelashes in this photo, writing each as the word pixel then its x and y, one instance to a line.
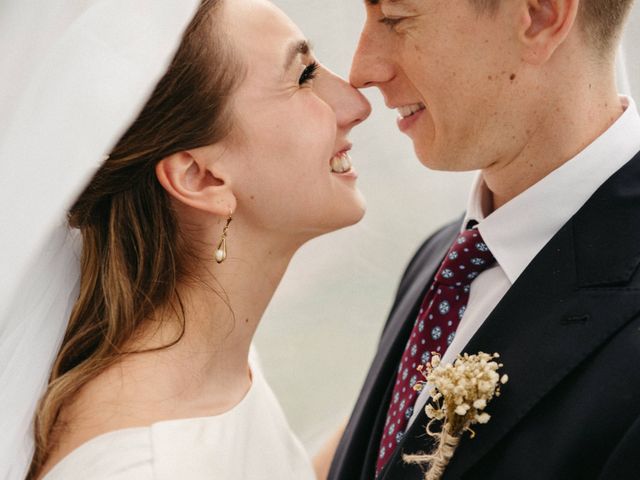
pixel 309 73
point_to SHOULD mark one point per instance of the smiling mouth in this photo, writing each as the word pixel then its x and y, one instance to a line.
pixel 409 110
pixel 341 163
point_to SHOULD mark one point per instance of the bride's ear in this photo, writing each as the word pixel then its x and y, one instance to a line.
pixel 197 179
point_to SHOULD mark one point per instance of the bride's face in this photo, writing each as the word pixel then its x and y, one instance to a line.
pixel 292 118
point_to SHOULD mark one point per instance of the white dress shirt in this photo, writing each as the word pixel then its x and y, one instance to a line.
pixel 516 232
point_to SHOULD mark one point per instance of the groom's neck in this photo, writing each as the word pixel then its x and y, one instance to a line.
pixel 562 122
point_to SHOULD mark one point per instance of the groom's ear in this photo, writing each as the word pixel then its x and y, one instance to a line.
pixel 197 178
pixel 545 25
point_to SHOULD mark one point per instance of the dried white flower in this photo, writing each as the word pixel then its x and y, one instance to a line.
pixel 480 404
pixel 483 418
pixel 460 394
pixel 462 409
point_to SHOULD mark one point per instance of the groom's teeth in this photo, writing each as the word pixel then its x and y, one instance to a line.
pixel 409 110
pixel 341 163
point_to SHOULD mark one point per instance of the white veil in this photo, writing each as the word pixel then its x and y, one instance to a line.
pixel 74 75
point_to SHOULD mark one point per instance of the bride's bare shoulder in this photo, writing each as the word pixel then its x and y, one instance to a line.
pixel 121 397
pixel 138 391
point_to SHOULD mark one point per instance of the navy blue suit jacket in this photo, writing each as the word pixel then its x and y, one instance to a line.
pixel 568 332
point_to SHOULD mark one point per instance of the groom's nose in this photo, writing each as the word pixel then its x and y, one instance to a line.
pixel 372 64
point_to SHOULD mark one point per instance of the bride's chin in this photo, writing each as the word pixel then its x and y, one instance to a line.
pixel 342 215
pixel 352 213
pixel 359 205
pixel 362 209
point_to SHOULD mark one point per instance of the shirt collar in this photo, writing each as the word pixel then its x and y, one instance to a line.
pixel 516 232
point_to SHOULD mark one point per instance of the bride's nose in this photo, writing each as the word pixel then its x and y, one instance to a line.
pixel 349 105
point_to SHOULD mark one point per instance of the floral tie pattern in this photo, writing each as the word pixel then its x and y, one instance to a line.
pixel 440 314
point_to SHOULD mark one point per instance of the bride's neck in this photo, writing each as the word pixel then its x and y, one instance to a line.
pixel 200 371
pixel 221 309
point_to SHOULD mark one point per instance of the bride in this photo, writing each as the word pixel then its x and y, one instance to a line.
pixel 237 158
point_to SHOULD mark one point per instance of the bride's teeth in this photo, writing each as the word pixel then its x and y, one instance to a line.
pixel 341 163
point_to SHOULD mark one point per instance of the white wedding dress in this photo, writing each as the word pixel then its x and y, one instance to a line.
pixel 252 441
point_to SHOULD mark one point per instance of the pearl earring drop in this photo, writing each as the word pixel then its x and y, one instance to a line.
pixel 221 251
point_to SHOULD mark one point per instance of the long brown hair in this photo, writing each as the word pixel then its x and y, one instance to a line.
pixel 134 253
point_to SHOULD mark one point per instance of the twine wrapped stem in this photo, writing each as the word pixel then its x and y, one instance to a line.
pixel 445 446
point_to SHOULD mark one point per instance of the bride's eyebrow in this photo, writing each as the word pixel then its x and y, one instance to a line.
pixel 299 47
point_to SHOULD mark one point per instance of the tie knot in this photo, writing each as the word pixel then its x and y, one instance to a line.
pixel 467 258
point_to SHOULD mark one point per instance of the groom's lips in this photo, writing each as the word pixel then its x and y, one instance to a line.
pixel 405 124
pixel 409 114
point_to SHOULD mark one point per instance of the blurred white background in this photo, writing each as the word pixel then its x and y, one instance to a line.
pixel 320 331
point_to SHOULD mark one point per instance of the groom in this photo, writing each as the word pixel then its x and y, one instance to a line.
pixel 544 266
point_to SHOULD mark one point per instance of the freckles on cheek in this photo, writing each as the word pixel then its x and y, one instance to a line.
pixel 415 47
pixel 413 57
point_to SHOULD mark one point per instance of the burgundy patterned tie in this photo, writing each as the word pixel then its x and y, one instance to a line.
pixel 434 329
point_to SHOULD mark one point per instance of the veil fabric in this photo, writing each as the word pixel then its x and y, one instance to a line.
pixel 75 74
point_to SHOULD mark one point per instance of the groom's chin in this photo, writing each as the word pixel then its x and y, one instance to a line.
pixel 443 161
pixel 429 158
pixel 428 155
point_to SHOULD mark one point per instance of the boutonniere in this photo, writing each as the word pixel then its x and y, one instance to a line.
pixel 460 394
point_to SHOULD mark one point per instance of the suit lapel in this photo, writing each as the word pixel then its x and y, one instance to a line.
pixel 396 333
pixel 367 419
pixel 572 298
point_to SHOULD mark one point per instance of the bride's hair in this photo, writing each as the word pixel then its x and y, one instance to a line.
pixel 134 253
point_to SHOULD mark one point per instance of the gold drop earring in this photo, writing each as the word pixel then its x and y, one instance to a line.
pixel 221 252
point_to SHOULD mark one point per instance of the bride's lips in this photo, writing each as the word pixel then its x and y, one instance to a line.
pixel 340 164
pixel 409 114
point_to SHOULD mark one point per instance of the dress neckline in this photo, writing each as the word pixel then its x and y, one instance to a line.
pixel 237 409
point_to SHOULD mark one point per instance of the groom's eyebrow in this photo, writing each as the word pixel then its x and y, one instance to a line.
pixel 377 2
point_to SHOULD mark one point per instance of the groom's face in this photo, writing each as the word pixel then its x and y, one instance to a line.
pixel 451 71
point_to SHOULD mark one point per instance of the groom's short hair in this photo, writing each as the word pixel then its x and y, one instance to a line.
pixel 600 20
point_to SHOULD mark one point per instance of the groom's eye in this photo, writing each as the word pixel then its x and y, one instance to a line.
pixel 391 22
